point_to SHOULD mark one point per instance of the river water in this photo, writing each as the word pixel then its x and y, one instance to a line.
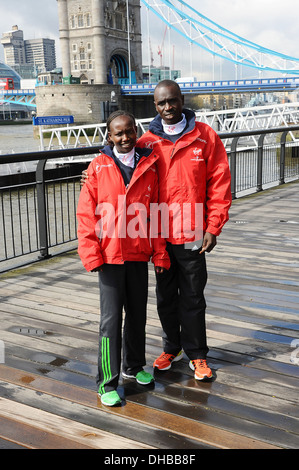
pixel 17 138
pixel 18 207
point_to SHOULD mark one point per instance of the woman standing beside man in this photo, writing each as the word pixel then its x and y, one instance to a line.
pixel 114 242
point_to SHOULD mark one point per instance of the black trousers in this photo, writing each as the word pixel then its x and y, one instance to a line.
pixel 121 287
pixel 181 302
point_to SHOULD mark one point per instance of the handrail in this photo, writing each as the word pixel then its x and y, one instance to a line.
pixel 72 152
pixel 236 158
pixel 48 154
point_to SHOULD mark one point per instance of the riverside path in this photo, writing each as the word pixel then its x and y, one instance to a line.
pixel 49 334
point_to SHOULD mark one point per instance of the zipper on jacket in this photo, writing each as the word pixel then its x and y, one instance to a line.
pixel 141 159
pixel 172 152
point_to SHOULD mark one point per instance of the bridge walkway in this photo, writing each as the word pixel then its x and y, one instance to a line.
pixel 49 327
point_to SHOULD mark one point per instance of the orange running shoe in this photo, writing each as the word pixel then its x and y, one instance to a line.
pixel 164 361
pixel 201 369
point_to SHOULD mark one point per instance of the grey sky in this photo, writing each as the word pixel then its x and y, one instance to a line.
pixel 270 23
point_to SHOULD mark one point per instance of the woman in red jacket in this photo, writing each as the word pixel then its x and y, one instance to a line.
pixel 115 240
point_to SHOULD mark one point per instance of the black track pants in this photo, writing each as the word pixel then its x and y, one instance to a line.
pixel 121 286
pixel 181 303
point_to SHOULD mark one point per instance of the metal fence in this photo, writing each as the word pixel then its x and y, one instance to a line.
pixel 38 219
pixel 273 161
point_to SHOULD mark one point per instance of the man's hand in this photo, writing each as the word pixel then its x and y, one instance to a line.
pixel 84 177
pixel 96 270
pixel 209 242
pixel 159 269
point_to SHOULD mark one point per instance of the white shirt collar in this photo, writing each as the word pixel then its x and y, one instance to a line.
pixel 173 129
pixel 126 158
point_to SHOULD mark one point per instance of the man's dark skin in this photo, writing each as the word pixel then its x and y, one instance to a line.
pixel 169 103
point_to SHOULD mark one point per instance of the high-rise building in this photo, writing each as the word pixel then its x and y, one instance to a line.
pixel 95 44
pixel 14 48
pixel 19 53
pixel 41 54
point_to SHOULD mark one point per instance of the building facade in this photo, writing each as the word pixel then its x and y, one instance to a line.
pixel 41 54
pixel 35 55
pixel 94 40
pixel 14 47
pixel 156 74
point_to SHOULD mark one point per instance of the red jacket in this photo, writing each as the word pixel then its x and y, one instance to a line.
pixel 193 170
pixel 109 229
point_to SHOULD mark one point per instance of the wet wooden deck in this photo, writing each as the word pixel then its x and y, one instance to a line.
pixel 49 327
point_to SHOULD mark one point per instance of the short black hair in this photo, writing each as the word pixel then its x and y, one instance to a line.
pixel 168 83
pixel 118 113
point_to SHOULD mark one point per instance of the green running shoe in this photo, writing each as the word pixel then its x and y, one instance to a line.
pixel 142 377
pixel 110 398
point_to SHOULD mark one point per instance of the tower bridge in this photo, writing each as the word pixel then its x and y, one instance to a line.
pixel 101 42
pixel 27 97
pixel 101 45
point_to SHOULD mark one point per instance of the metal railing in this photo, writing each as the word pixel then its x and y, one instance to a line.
pixel 255 168
pixel 38 218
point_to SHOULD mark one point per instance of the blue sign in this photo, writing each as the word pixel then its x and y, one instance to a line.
pixel 52 120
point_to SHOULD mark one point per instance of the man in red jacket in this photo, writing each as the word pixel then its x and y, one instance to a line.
pixel 193 173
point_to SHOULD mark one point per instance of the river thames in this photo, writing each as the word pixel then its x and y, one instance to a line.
pixel 17 138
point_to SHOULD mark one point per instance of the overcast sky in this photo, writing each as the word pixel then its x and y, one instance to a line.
pixel 270 23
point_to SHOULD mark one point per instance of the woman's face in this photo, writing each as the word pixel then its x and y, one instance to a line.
pixel 123 133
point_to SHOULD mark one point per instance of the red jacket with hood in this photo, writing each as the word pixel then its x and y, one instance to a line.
pixel 113 221
pixel 194 169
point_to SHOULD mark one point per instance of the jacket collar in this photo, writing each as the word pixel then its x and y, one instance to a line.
pixel 156 125
pixel 142 152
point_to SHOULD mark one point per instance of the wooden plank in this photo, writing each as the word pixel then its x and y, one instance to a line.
pixel 30 437
pixel 70 430
pixel 184 427
pixel 95 417
pixel 252 296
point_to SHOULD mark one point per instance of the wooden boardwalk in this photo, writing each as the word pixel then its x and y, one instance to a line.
pixel 49 328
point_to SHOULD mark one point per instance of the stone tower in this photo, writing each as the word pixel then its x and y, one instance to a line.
pixel 94 40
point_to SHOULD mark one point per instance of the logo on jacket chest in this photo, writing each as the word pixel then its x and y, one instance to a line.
pixel 99 167
pixel 197 155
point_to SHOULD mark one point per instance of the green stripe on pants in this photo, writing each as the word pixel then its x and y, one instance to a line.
pixel 105 351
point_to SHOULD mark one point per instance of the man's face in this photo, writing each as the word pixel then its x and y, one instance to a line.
pixel 169 103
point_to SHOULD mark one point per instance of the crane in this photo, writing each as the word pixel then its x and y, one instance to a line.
pixel 160 48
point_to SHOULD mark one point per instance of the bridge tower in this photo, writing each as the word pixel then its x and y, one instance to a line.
pixel 94 40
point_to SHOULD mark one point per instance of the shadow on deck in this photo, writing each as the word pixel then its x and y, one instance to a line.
pixel 49 336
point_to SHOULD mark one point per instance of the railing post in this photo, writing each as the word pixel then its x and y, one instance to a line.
pixel 259 185
pixel 282 157
pixel 42 210
pixel 233 166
